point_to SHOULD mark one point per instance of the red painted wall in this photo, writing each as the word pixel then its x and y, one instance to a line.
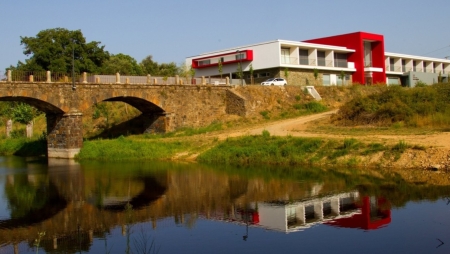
pixel 355 41
pixel 248 58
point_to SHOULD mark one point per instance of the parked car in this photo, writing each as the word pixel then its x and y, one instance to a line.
pixel 274 82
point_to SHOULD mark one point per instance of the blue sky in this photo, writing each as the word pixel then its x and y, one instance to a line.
pixel 172 30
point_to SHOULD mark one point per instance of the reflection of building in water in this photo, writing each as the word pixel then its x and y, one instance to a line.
pixel 341 210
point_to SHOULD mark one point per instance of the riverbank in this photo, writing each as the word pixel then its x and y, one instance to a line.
pixel 306 140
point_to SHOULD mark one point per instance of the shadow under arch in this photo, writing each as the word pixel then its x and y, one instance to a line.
pixel 43 106
pixel 52 207
pixel 153 190
pixel 136 125
pixel 145 106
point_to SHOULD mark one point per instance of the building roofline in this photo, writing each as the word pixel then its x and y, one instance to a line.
pixel 294 43
pixel 432 59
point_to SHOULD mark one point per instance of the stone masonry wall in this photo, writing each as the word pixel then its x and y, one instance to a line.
pixel 64 131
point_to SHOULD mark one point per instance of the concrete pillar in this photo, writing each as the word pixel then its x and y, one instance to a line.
pixel 55 243
pixel 49 77
pixel 300 214
pixel 9 127
pixel 155 81
pixel 335 206
pixel 203 80
pixel 97 80
pixel 177 80
pixel 127 81
pixel 318 210
pixel 227 81
pixel 149 79
pixel 117 78
pixel 84 77
pixel 31 78
pixel 9 76
pixel 65 135
pixel 29 129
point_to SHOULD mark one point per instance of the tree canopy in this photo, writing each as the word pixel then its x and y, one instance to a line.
pixel 123 64
pixel 153 68
pixel 52 49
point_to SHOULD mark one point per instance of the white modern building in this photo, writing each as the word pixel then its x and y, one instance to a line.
pixel 342 59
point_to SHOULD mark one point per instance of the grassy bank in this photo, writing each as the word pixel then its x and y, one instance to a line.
pixel 123 149
pixel 397 106
pixel 266 149
pixel 24 146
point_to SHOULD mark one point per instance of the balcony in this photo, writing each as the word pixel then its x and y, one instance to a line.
pixel 289 60
pixel 307 61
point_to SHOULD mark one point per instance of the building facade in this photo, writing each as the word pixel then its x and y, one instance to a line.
pixel 354 58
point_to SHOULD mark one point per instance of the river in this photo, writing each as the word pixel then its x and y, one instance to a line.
pixel 61 206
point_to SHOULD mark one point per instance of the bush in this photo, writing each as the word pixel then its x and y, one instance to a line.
pixel 407 106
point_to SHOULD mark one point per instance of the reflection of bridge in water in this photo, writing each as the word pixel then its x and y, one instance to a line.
pixel 85 213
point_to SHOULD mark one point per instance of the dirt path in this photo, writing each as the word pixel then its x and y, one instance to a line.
pixel 298 128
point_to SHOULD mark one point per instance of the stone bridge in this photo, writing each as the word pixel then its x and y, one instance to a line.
pixel 164 107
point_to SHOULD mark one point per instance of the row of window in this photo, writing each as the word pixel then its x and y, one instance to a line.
pixel 340 59
pixel 237 57
pixel 416 66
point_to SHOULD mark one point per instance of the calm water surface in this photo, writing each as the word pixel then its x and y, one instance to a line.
pixel 59 206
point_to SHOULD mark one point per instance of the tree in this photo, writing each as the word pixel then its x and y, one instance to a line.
pixel 123 64
pixel 286 74
pixel 24 114
pixel 316 73
pixel 239 72
pixel 342 77
pixel 149 66
pixel 192 71
pixel 51 50
pixel 184 71
pixel 168 69
pixel 251 73
pixel 219 65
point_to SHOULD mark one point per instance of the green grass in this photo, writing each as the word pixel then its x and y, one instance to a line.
pixel 124 149
pixel 399 107
pixel 23 146
pixel 266 149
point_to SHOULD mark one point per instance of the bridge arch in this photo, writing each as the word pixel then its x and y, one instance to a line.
pixel 145 106
pixel 41 105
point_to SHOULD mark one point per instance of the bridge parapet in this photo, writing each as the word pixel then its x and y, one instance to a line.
pixel 50 77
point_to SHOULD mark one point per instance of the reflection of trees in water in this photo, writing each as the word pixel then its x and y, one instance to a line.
pixel 31 202
pixel 238 187
pixel 25 196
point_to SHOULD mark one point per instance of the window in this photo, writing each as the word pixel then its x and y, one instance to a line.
pixel 241 56
pixel 393 81
pixel 263 75
pixel 391 64
pixel 304 56
pixel 367 54
pixel 403 65
pixel 204 62
pixel 326 79
pixel 285 56
pixel 340 60
pixel 414 66
pixel 321 58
